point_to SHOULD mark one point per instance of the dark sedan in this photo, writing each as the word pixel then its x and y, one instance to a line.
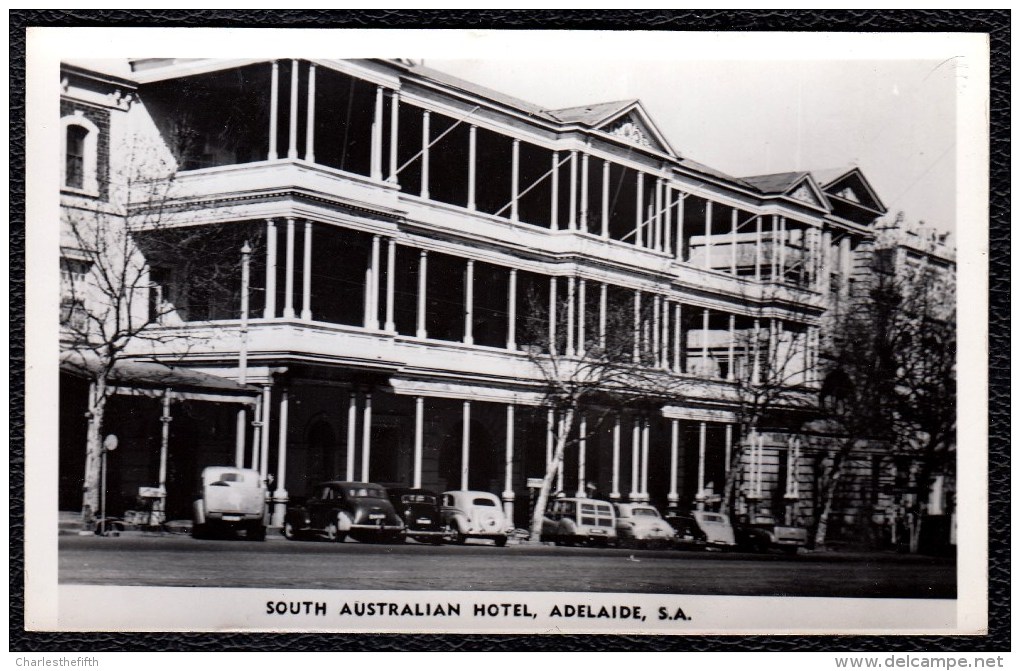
pixel 419 509
pixel 336 510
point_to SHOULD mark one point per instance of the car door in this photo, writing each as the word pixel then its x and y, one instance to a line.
pixel 320 507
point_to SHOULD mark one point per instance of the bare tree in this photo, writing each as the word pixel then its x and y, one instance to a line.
pixel 612 369
pixel 892 351
pixel 111 301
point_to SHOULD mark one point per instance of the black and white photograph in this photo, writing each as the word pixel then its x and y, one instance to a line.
pixel 520 333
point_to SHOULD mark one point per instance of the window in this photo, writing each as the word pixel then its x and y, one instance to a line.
pixel 72 294
pixel 80 140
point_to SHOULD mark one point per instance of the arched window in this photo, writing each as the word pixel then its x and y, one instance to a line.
pixel 79 143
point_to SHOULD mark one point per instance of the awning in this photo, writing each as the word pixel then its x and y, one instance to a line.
pixel 135 377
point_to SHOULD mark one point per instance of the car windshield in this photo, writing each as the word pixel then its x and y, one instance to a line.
pixel 418 498
pixel 365 492
pixel 648 512
pixel 483 502
pixel 712 519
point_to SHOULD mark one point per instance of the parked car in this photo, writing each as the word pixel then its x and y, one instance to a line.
pixel 641 524
pixel 763 532
pixel 337 510
pixel 472 514
pixel 419 508
pixel 717 529
pixel 230 500
pixel 579 521
pixel 689 535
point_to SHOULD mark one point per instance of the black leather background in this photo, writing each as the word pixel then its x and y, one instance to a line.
pixel 994 22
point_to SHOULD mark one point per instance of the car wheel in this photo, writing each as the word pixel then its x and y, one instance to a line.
pixel 790 550
pixel 500 541
pixel 458 537
pixel 289 532
pixel 257 532
pixel 199 531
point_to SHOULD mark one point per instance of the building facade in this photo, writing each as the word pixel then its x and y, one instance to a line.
pixel 400 235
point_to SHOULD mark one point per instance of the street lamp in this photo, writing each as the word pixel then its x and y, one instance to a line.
pixel 242 363
pixel 109 445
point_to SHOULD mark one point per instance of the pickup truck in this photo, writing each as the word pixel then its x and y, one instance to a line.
pixel 763 532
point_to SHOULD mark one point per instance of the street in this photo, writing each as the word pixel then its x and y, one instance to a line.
pixel 175 560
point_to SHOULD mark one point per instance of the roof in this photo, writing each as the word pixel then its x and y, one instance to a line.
pixel 826 176
pixel 150 374
pixel 777 183
pixel 592 114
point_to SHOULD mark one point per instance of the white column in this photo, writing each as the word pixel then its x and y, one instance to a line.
pixel 639 214
pixel 704 339
pixel 582 298
pixel 270 309
pixel 426 116
pixel 674 450
pixel 584 192
pixel 288 275
pixel 756 354
pixel 782 247
pixel 826 261
pixel 678 338
pixel 515 170
pixel 637 327
pixel 263 455
pixel 680 226
pixel 292 138
pixel 733 241
pixel 352 431
pixel 366 437
pixel 730 350
pixel 465 445
pixel 256 439
pixel 394 126
pixel 605 199
pixel 603 304
pixel 657 330
pixel 469 302
pixel 508 465
pixel 274 110
pixel 708 235
pixel 473 165
pixel 419 438
pixel 571 308
pixel 377 121
pixel 667 223
pixel 757 248
pixel 702 435
pixel 164 447
pixel 550 423
pixel 423 266
pixel 552 315
pixel 582 446
pixel 774 260
pixel 554 212
pixel 635 460
pixel 310 116
pixel 657 215
pixel 729 446
pixel 306 274
pixel 372 287
pixel 560 430
pixel 615 494
pixel 511 301
pixel 391 278
pixel 572 215
pixel 663 355
pixel 645 432
pixel 280 493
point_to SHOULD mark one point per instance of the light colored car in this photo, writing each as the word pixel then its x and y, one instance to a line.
pixel 579 521
pixel 641 524
pixel 717 528
pixel 471 514
pixel 231 499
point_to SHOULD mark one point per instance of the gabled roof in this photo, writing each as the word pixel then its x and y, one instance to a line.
pixel 836 181
pixel 799 186
pixel 594 114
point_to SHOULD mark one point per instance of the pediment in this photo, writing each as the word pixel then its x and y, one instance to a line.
pixel 853 187
pixel 636 127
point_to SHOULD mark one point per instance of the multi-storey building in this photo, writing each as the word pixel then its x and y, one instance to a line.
pixel 399 224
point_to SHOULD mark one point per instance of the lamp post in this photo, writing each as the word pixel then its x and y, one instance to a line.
pixel 242 363
pixel 109 445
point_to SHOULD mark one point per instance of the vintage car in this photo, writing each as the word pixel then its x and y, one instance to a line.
pixel 472 514
pixel 579 521
pixel 337 510
pixel 689 535
pixel 639 524
pixel 763 532
pixel 230 500
pixel 419 509
pixel 717 529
